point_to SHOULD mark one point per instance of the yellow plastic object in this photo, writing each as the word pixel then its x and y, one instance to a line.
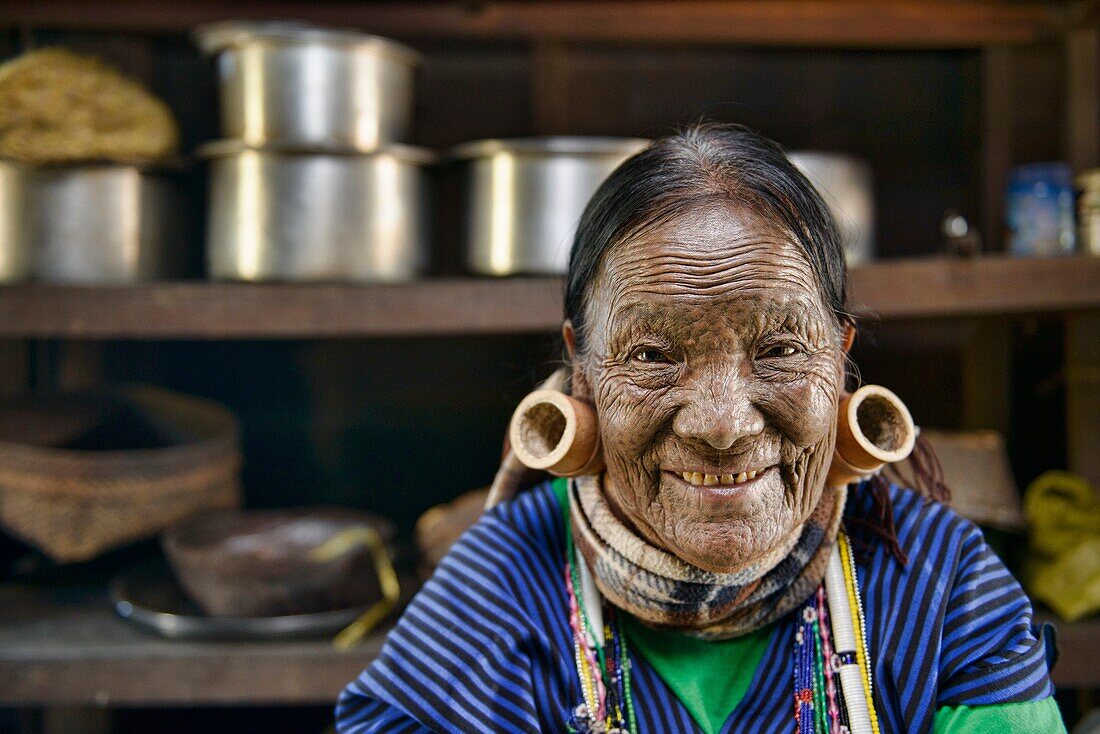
pixel 1063 566
pixel 340 544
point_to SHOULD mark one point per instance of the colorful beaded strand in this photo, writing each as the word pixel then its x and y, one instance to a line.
pixel 611 677
pixel 593 670
pixel 846 665
pixel 821 714
pixel 578 655
pixel 803 673
pixel 627 691
pixel 859 628
pixel 833 709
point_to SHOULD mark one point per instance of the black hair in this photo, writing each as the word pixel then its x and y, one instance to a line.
pixel 699 166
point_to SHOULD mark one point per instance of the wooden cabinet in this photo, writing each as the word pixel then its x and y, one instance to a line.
pixel 395 397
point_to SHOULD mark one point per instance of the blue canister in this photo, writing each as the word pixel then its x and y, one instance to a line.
pixel 1039 210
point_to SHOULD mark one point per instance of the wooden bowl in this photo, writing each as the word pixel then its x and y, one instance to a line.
pixel 264 563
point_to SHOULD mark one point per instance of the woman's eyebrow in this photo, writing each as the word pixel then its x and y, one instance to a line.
pixel 781 306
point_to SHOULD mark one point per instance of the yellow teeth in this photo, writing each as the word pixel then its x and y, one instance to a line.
pixel 699 479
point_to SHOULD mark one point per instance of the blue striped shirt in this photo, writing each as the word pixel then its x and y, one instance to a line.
pixel 485 646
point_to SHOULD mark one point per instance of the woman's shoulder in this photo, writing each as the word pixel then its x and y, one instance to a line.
pixel 521 536
pixel 920 524
pixel 947 562
pixel 532 519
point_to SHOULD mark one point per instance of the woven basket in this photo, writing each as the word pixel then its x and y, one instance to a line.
pixel 74 504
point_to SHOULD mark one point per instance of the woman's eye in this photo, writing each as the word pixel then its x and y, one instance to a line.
pixel 649 354
pixel 781 350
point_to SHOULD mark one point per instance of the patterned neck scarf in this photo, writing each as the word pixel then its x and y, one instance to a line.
pixel 668 593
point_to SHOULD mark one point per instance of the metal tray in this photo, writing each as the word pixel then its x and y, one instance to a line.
pixel 149 597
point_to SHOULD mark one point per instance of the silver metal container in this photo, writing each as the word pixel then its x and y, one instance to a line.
pixel 846 184
pixel 15 250
pixel 288 215
pixel 1088 212
pixel 525 197
pixel 95 223
pixel 294 84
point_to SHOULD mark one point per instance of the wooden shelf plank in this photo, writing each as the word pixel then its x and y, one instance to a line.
pixel 65 647
pixel 926 288
pixel 284 311
pixel 850 23
pixel 990 285
pixel 1077 646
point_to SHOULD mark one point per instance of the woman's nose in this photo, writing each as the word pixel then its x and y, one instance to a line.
pixel 719 410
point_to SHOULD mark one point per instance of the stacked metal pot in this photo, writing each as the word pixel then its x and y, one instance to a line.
pixel 313 181
pixel 87 161
pixel 525 197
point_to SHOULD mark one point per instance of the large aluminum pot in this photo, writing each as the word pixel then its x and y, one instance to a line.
pixel 15 251
pixel 294 84
pixel 847 186
pixel 526 196
pixel 289 215
pixel 94 223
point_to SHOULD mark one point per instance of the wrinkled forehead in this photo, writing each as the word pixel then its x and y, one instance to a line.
pixel 731 260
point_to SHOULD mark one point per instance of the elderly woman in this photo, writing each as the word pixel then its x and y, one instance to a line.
pixel 681 588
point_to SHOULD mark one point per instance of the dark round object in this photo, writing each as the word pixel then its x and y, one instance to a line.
pixel 259 563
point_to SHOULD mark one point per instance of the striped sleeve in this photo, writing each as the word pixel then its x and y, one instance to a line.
pixel 470 651
pixel 951 627
pixel 359 713
pixel 991 653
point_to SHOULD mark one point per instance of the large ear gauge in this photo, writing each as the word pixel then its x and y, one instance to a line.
pixel 556 433
pixel 873 428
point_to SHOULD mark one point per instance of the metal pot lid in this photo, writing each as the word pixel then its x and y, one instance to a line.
pixel 404 153
pixel 214 38
pixel 168 165
pixel 552 145
pixel 828 157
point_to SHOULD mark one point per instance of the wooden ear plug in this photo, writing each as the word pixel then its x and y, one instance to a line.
pixel 554 432
pixel 873 428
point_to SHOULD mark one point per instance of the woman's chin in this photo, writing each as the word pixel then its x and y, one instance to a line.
pixel 719 547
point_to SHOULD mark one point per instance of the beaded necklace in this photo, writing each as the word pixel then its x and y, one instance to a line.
pixel 828 682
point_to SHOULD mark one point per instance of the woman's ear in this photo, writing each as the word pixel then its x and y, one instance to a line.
pixel 570 338
pixel 849 337
pixel 578 381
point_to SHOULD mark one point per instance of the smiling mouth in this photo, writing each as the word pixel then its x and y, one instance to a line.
pixel 699 479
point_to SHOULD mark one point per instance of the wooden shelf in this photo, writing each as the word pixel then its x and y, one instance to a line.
pixel 924 288
pixel 65 647
pixel 984 286
pixel 1077 646
pixel 843 23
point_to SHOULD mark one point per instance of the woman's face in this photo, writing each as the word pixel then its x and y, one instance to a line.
pixel 715 368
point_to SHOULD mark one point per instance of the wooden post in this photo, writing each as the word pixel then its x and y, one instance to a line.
pixel 1083 98
pixel 986 375
pixel 996 143
pixel 1083 394
pixel 550 88
pixel 1083 330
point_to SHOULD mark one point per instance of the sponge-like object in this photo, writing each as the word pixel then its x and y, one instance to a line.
pixel 60 107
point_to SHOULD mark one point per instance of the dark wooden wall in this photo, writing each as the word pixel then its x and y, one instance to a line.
pixel 397 425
